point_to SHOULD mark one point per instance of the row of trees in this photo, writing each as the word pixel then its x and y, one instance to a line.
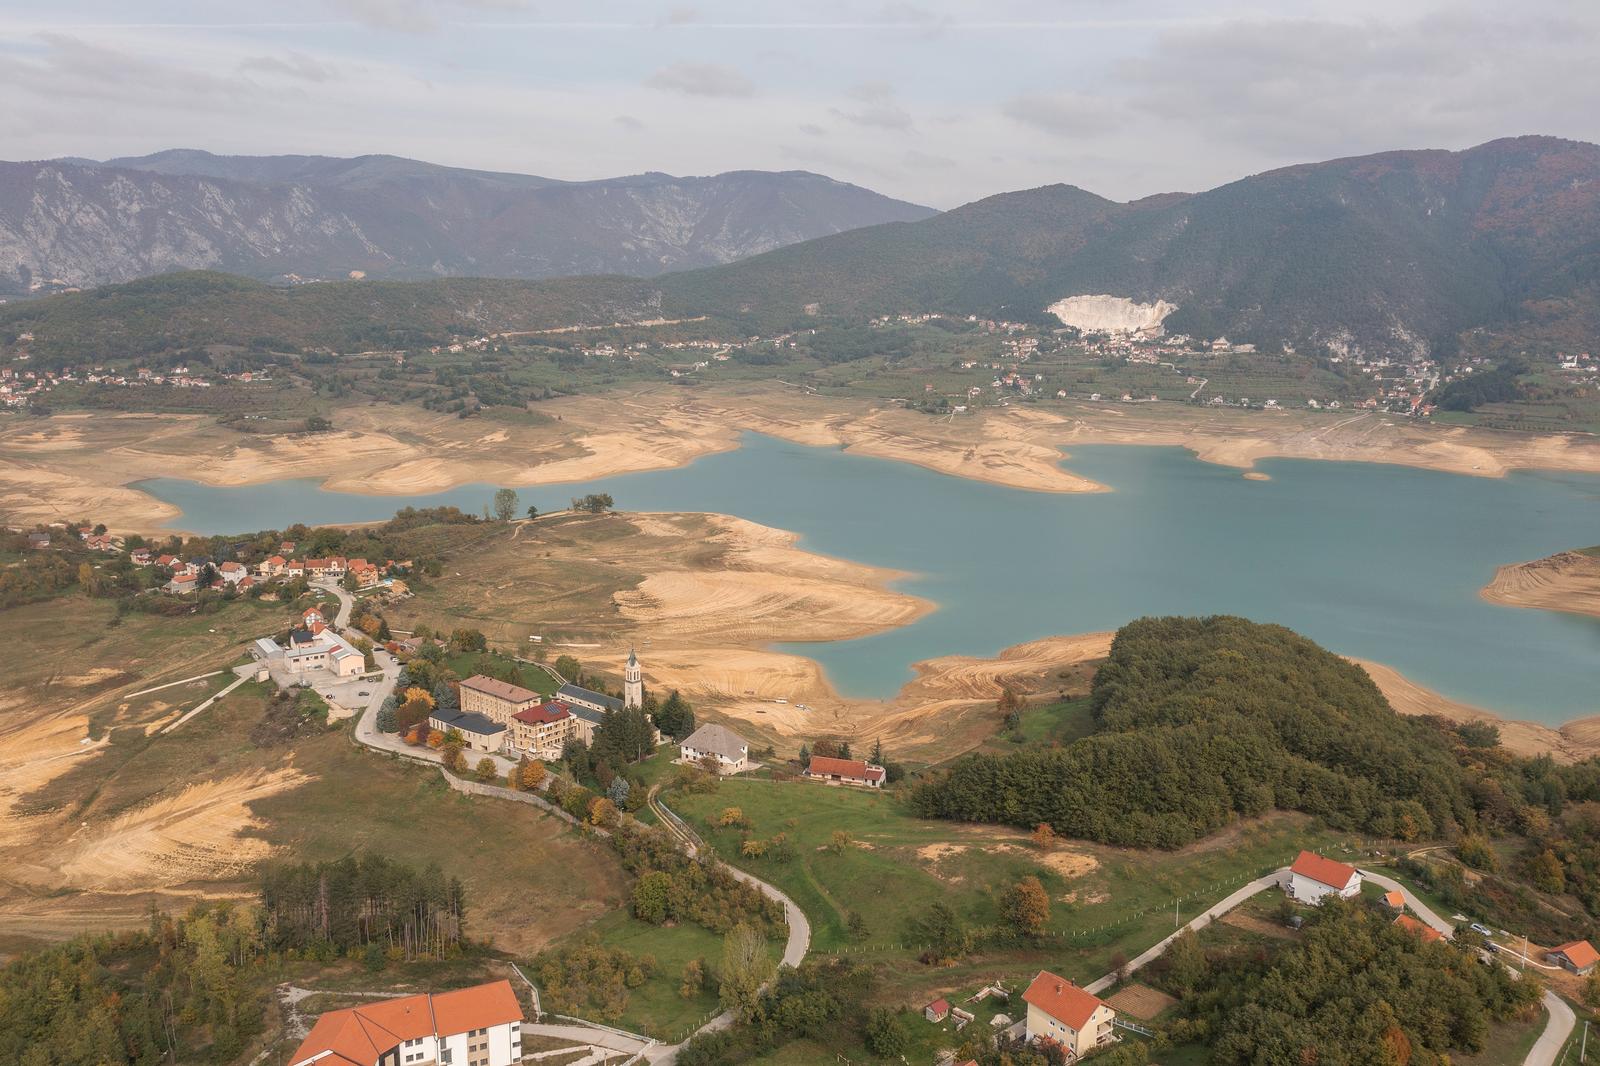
pixel 333 907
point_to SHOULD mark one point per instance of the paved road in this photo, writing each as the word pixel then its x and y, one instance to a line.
pixel 1197 923
pixel 794 950
pixel 347 602
pixel 1559 1028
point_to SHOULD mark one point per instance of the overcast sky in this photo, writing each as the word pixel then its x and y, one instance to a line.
pixel 937 101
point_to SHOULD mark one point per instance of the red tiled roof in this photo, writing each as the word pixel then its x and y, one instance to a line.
pixel 499 689
pixel 855 769
pixel 939 1006
pixel 358 1035
pixel 1411 925
pixel 1394 899
pixel 1580 953
pixel 477 1007
pixel 1062 1000
pixel 1322 870
pixel 543 714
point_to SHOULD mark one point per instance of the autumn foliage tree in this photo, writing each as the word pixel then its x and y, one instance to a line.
pixel 416 704
pixel 1026 906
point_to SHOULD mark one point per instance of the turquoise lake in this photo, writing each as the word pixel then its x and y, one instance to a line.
pixel 1373 561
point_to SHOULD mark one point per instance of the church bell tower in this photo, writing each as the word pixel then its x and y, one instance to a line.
pixel 632 682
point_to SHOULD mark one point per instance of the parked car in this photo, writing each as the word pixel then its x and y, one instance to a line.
pixel 1479 927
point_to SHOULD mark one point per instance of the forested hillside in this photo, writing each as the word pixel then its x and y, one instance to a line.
pixel 1203 721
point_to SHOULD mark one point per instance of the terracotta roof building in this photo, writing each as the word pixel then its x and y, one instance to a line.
pixel 1411 925
pixel 846 771
pixel 1060 1011
pixel 478 1026
pixel 1313 877
pixel 1578 956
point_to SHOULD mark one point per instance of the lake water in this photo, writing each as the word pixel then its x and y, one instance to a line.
pixel 1378 562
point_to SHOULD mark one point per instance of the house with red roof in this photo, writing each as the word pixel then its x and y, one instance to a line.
pixel 477 1026
pixel 1578 956
pixel 845 771
pixel 271 566
pixel 1394 901
pixel 1313 878
pixel 937 1011
pixel 1061 1012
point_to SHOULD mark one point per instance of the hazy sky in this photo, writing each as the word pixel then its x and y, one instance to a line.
pixel 938 101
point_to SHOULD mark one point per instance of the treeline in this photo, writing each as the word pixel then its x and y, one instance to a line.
pixel 181 991
pixel 363 903
pixel 1355 989
pixel 1203 721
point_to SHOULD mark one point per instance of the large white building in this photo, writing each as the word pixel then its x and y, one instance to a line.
pixel 1313 878
pixel 729 749
pixel 311 648
pixel 478 1026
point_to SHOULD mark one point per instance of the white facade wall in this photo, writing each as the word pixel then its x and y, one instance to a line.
pixel 1307 890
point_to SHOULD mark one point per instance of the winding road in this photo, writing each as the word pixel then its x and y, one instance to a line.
pixel 1544 1050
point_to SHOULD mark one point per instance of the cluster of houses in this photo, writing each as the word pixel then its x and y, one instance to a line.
pixel 186 573
pixel 477 1026
pixel 18 387
pixel 497 717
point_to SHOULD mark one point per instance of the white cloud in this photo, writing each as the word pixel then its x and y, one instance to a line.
pixel 702 79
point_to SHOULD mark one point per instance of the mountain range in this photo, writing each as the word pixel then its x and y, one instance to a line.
pixel 78 222
pixel 1407 253
pixel 1401 251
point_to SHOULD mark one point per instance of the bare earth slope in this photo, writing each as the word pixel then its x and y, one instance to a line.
pixel 1567 581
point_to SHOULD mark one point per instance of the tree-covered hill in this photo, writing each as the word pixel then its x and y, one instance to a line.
pixel 1202 721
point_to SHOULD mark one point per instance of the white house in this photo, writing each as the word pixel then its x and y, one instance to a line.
pixel 1060 1011
pixel 1312 878
pixel 729 749
pixel 477 1026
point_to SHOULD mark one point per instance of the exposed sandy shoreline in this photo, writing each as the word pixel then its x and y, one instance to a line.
pixel 70 466
pixel 1567 581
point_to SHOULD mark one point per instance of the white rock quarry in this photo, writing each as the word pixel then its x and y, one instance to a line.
pixel 1111 314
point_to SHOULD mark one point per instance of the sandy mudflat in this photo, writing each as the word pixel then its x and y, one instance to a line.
pixel 1574 741
pixel 1567 581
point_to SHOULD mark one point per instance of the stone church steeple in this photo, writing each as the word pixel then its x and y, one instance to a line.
pixel 632 682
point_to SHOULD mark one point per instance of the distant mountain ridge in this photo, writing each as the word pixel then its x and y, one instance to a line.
pixel 1403 253
pixel 1399 251
pixel 82 223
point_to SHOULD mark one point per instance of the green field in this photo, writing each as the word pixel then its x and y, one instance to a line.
pixel 1105 901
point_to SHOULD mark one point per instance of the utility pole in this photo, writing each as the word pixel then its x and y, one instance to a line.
pixel 1174 914
pixel 1583 1048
